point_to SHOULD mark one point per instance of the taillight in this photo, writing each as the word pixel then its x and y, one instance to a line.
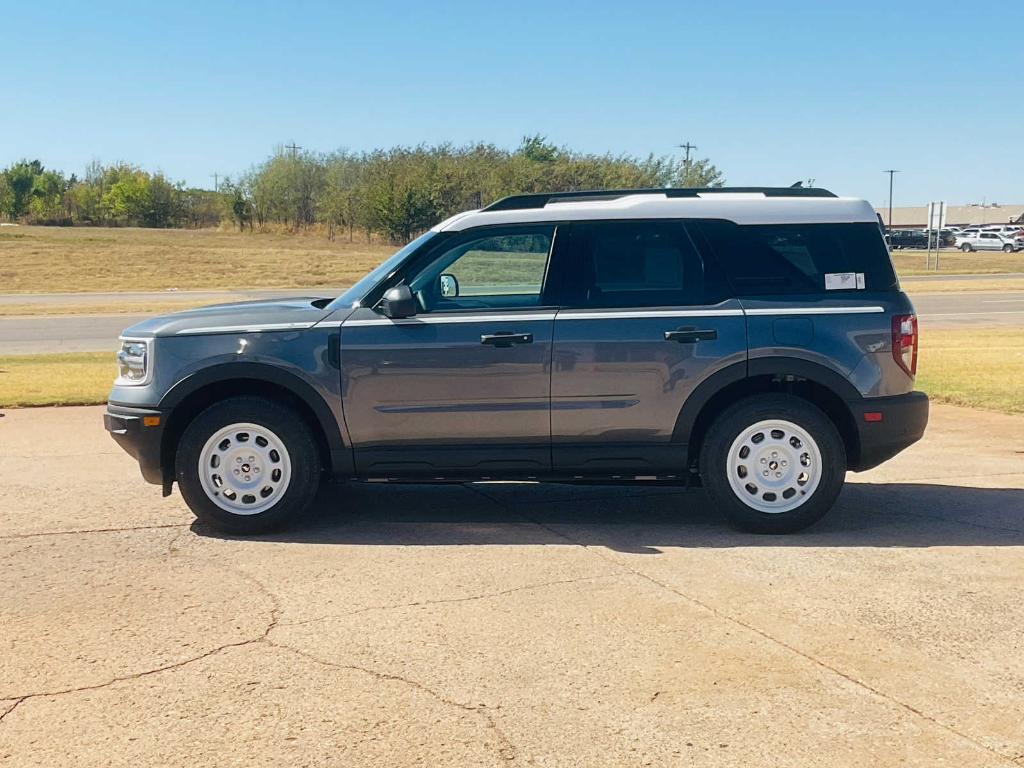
pixel 904 342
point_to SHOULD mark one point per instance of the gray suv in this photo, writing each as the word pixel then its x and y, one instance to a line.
pixel 754 341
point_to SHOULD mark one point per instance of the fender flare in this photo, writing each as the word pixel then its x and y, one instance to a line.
pixel 305 392
pixel 765 366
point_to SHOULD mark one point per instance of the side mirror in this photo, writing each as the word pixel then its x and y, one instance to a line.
pixel 449 286
pixel 398 302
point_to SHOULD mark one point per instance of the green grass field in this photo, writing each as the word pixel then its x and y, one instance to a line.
pixel 978 368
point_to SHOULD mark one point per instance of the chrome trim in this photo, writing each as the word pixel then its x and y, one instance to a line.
pixel 815 311
pixel 444 319
pixel 629 315
pixel 245 328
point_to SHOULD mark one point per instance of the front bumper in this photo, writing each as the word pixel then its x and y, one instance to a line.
pixel 902 423
pixel 139 431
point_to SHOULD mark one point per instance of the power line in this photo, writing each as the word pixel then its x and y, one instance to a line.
pixel 293 148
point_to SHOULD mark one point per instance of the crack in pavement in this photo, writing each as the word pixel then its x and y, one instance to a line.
pixel 466 599
pixel 765 635
pixel 506 752
pixel 15 536
pixel 262 636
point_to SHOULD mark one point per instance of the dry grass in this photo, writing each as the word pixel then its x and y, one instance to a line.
pixel 979 367
pixel 81 259
pixel 952 262
pixel 82 378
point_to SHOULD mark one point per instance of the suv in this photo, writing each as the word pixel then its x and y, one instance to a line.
pixel 753 340
pixel 918 238
pixel 985 240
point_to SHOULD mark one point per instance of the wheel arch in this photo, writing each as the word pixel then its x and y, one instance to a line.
pixel 189 397
pixel 825 388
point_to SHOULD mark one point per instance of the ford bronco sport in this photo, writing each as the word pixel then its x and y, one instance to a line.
pixel 754 341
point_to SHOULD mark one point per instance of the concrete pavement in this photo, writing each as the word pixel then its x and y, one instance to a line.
pixel 506 624
pixel 86 333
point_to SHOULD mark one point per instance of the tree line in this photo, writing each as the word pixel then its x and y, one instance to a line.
pixel 393 193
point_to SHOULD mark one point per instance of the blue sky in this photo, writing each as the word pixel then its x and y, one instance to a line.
pixel 772 92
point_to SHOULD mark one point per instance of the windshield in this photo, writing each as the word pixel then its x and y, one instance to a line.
pixel 350 297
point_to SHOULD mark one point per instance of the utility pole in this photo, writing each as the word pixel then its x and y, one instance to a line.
pixel 891 172
pixel 216 188
pixel 686 165
pixel 293 148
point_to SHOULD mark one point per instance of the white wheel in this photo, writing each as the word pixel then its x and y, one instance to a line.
pixel 244 468
pixel 774 466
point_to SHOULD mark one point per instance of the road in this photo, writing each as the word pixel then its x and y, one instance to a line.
pixel 512 624
pixel 81 333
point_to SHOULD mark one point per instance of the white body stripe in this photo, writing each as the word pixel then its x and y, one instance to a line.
pixel 815 311
pixel 246 328
pixel 630 315
pixel 607 315
pixel 442 319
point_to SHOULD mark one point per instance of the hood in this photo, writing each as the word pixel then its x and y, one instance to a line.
pixel 267 314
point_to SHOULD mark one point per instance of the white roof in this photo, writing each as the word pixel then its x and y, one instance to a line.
pixel 740 207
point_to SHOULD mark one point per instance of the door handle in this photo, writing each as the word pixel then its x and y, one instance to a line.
pixel 691 336
pixel 506 338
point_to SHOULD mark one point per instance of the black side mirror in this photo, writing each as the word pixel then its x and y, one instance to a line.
pixel 398 302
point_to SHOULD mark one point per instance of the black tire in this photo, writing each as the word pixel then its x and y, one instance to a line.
pixel 1008 248
pixel 715 462
pixel 966 248
pixel 302 453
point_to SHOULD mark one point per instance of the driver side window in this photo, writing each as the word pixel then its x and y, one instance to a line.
pixel 503 269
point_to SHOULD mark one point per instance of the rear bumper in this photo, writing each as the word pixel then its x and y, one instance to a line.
pixel 902 423
pixel 128 426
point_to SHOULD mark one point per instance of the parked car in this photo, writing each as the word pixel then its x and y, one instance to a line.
pixel 1008 231
pixel 756 343
pixel 918 238
pixel 985 240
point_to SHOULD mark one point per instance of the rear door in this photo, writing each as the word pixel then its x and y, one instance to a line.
pixel 644 320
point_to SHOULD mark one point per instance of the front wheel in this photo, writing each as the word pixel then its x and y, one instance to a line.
pixel 966 248
pixel 1008 248
pixel 246 465
pixel 773 463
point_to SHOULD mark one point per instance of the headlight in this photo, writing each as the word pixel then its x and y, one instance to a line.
pixel 134 361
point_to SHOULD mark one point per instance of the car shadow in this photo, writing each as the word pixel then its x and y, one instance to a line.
pixel 643 519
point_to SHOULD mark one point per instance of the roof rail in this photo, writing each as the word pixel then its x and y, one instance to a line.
pixel 539 200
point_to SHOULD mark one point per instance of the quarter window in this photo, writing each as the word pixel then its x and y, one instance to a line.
pixel 794 258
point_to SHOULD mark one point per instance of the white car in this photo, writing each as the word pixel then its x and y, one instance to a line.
pixel 985 240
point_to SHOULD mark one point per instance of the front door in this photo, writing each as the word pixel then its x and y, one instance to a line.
pixel 463 387
pixel 645 321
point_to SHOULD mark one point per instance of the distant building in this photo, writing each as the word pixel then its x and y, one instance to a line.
pixel 956 215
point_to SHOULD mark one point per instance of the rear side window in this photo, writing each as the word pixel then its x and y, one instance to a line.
pixel 772 259
pixel 640 264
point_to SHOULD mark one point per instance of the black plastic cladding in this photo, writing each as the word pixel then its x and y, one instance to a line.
pixel 522 202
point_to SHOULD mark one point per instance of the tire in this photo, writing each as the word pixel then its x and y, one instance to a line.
pixel 966 248
pixel 272 458
pixel 786 505
pixel 1007 248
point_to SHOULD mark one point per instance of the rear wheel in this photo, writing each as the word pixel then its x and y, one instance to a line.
pixel 773 463
pixel 247 464
pixel 966 248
